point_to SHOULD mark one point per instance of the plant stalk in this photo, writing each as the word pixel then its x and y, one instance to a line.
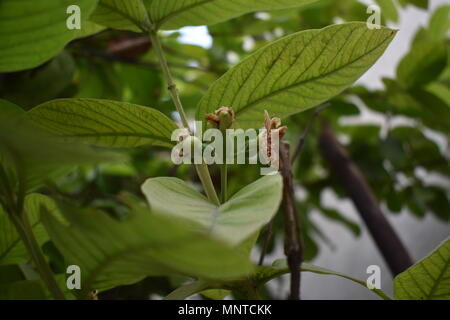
pixel 26 233
pixel 202 169
pixel 168 76
pixel 205 178
pixel 223 182
pixel 20 220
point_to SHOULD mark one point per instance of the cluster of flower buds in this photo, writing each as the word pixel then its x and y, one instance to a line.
pixel 222 118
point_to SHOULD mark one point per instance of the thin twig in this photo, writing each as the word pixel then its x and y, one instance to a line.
pixel 302 139
pixel 293 242
pixel 267 239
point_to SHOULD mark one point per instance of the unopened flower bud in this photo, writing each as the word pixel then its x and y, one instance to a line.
pixel 222 118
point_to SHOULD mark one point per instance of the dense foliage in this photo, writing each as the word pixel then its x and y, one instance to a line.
pixel 85 141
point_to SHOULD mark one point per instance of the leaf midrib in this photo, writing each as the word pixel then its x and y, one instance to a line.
pixel 123 14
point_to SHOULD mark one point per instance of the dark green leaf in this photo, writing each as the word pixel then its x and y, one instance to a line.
pixel 32 31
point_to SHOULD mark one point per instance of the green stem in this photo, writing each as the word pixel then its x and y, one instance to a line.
pixel 26 233
pixel 205 178
pixel 168 76
pixel 223 182
pixel 20 220
pixel 202 169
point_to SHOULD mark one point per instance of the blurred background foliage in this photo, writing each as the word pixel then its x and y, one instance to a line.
pixel 397 156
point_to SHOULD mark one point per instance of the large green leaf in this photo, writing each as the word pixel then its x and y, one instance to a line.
pixel 23 290
pixel 12 249
pixel 119 14
pixel 429 279
pixel 32 87
pixel 32 31
pixel 296 72
pixel 234 221
pixel 32 289
pixel 260 277
pixel 279 267
pixel 425 62
pixel 105 123
pixel 34 154
pixel 111 252
pixel 440 23
pixel 174 14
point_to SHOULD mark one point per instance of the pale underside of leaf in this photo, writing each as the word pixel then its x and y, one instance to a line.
pixel 174 14
pixel 105 123
pixel 297 72
pixel 234 221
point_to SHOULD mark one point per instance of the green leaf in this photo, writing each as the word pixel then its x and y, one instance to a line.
pixel 429 279
pixel 423 64
pixel 388 9
pixel 259 277
pixel 32 31
pixel 89 28
pixel 10 274
pixel 111 252
pixel 123 15
pixel 440 23
pixel 440 90
pixel 105 123
pixel 33 87
pixel 35 155
pixel 174 14
pixel 422 4
pixel 279 268
pixel 234 221
pixel 32 289
pixel 297 72
pixel 188 290
pixel 23 290
pixel 215 294
pixel 12 250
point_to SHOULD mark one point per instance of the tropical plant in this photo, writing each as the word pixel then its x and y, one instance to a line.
pixel 87 117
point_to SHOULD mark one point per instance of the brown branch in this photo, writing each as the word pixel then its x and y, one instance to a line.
pixel 293 242
pixel 356 186
pixel 302 139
